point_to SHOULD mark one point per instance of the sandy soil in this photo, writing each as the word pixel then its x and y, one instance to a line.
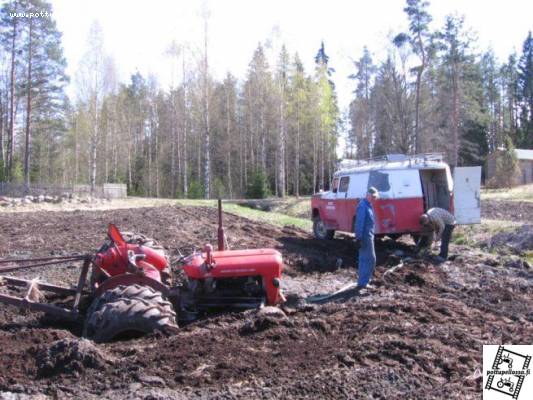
pixel 418 334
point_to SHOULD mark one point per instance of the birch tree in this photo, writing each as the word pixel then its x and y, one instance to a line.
pixel 282 81
pixel 93 84
pixel 205 109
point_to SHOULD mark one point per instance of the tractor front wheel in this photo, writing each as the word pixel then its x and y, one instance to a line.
pixel 128 311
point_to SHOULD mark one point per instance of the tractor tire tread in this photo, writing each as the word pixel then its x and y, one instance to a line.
pixel 125 308
pixel 129 315
pixel 124 291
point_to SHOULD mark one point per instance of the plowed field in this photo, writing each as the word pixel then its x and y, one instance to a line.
pixel 417 334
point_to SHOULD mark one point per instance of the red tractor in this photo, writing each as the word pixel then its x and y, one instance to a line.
pixel 136 290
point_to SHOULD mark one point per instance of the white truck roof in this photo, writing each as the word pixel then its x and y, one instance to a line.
pixel 392 162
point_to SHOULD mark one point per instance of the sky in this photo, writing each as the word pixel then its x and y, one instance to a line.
pixel 137 33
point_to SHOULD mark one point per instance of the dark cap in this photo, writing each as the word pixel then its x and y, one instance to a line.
pixel 373 192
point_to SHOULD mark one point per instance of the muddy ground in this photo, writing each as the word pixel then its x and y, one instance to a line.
pixel 417 334
pixel 517 211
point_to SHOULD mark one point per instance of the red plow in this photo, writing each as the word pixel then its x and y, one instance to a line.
pixel 133 288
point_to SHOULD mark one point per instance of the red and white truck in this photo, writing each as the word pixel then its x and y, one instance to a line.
pixel 408 186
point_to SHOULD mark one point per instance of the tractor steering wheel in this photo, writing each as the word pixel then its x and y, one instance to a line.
pixel 132 258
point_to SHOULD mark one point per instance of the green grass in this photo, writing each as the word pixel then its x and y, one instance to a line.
pixel 297 207
pixel 272 217
pixel 197 202
pixel 294 207
pixel 459 238
pixel 519 193
pixel 473 235
pixel 292 211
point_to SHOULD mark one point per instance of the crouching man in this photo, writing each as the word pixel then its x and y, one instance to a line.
pixel 437 224
pixel 364 236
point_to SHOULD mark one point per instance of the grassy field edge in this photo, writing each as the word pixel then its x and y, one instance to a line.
pixel 270 217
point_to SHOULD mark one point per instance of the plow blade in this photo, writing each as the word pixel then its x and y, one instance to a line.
pixel 33 295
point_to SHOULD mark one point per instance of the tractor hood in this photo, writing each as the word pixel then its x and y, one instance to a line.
pixel 265 263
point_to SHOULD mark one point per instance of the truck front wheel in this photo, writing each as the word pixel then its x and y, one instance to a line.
pixel 320 231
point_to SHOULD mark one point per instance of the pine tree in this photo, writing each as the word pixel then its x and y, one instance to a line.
pixel 360 109
pixel 326 134
pixel 298 98
pixel 257 98
pixel 321 57
pixel 525 90
pixel 509 89
pixel 419 38
pixel 11 43
pixel 37 74
pixel 456 59
pixel 45 82
pixel 507 168
pixel 492 100
pixel 392 108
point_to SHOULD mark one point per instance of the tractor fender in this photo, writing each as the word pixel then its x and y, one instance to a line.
pixel 131 279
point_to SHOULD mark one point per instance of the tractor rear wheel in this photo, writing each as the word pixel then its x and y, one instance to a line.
pixel 128 310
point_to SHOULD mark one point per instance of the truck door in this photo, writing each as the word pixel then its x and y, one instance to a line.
pixel 329 205
pixel 356 191
pixel 408 203
pixel 342 199
pixel 385 206
pixel 332 202
pixel 466 195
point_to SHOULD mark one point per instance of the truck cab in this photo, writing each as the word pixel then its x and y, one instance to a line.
pixel 408 186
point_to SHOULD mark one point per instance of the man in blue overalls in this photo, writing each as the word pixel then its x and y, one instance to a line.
pixel 364 236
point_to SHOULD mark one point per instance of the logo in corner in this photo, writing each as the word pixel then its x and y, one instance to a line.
pixel 508 372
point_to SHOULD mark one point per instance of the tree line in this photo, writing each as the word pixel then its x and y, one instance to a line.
pixel 435 92
pixel 32 92
pixel 275 131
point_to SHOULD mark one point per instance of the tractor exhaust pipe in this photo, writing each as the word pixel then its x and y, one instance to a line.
pixel 220 227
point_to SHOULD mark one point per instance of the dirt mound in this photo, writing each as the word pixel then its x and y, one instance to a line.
pixel 71 356
pixel 519 240
pixel 264 319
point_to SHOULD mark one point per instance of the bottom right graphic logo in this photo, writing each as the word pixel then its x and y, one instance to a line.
pixel 506 372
